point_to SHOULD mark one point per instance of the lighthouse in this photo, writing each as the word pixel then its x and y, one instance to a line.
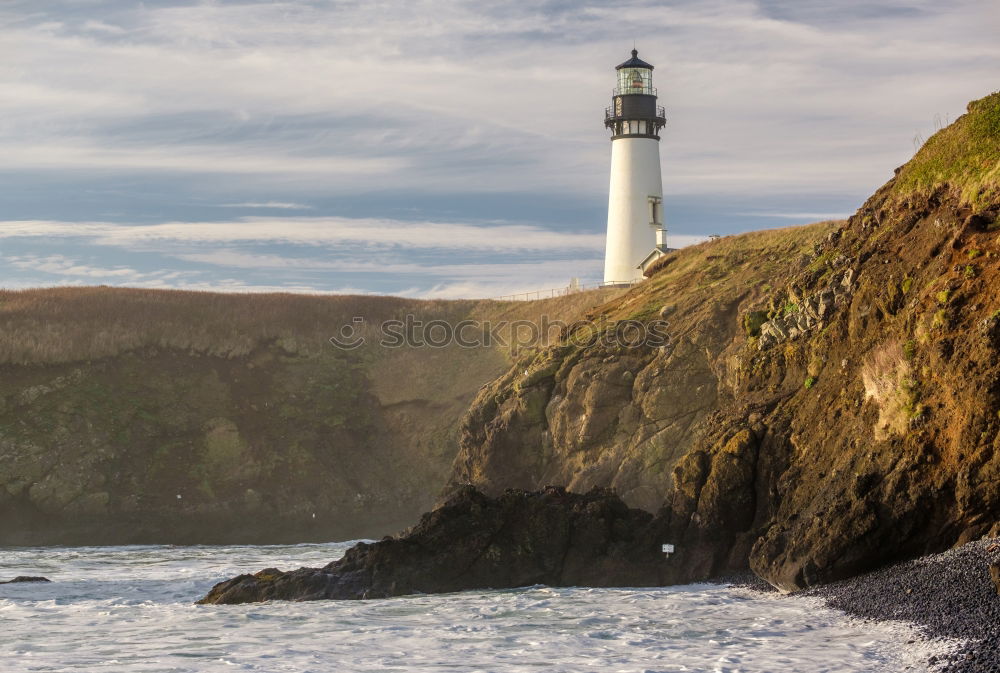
pixel 635 197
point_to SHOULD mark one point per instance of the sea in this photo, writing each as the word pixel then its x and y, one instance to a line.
pixel 129 609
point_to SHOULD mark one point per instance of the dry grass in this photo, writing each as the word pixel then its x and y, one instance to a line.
pixel 57 325
pixel 774 248
pixel 748 266
pixel 888 381
pixel 73 324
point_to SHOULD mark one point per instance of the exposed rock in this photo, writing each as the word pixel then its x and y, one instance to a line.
pixel 26 578
pixel 995 576
pixel 472 541
pixel 810 313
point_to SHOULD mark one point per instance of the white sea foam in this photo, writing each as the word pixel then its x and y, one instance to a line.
pixel 129 609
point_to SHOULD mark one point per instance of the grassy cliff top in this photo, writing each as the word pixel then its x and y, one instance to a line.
pixel 58 325
pixel 753 265
pixel 965 155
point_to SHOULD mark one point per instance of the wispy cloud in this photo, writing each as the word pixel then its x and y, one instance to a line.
pixel 308 254
pixel 61 265
pixel 330 231
pixel 196 159
pixel 397 265
pixel 489 95
pixel 278 205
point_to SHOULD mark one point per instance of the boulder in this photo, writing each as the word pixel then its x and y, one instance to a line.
pixel 472 541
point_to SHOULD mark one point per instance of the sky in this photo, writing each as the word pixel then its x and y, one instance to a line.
pixel 442 148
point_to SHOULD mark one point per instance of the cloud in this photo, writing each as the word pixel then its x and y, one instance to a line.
pixel 227 285
pixel 101 27
pixel 309 254
pixel 397 265
pixel 329 231
pixel 192 159
pixel 446 282
pixel 452 96
pixel 61 265
pixel 279 205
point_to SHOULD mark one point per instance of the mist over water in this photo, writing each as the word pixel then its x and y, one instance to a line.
pixel 131 609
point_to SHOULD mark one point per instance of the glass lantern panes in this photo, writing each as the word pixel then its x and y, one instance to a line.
pixel 635 80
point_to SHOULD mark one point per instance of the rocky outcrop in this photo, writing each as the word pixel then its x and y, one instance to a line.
pixel 473 541
pixel 25 578
pixel 586 417
pixel 797 319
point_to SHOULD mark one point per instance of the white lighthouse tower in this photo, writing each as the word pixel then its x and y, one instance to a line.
pixel 635 199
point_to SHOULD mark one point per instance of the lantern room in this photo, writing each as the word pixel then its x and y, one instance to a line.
pixel 634 111
pixel 635 76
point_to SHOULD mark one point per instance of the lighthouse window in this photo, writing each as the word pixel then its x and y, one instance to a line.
pixel 655 210
pixel 635 80
pixel 642 127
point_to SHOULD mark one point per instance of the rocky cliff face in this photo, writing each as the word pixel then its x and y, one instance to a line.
pixel 832 398
pixel 590 412
pixel 131 416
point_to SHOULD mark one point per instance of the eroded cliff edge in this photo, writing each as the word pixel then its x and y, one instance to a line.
pixel 831 398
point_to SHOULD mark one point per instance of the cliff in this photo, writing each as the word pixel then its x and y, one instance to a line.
pixel 153 416
pixel 600 414
pixel 830 398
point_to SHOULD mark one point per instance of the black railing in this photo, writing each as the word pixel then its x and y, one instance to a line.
pixel 609 113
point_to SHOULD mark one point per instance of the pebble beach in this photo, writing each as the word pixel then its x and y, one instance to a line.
pixel 947 596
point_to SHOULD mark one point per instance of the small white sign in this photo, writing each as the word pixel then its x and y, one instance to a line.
pixel 668 549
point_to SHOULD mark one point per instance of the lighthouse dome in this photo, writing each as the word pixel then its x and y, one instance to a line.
pixel 634 62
